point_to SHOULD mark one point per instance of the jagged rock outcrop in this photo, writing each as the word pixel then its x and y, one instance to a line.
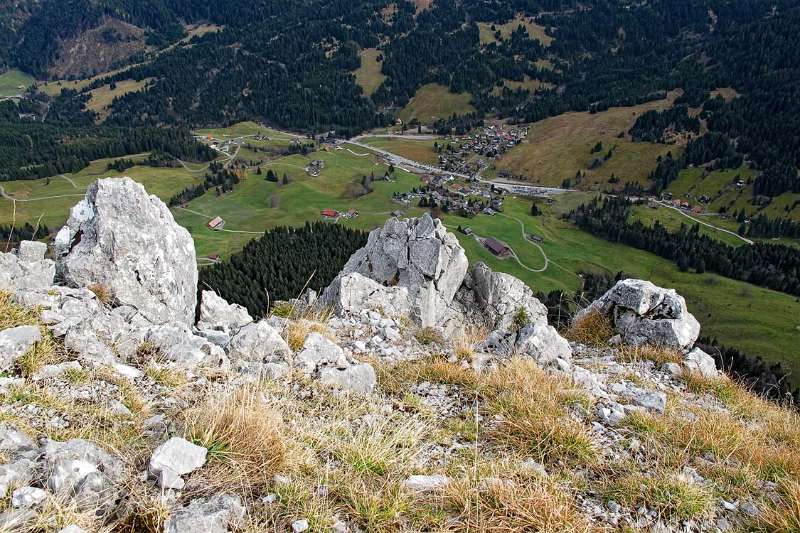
pixel 353 292
pixel 127 240
pixel 496 300
pixel 418 254
pixel 643 313
pixel 219 320
pixel 27 268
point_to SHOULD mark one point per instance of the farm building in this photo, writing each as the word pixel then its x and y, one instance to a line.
pixel 496 247
pixel 330 213
pixel 216 223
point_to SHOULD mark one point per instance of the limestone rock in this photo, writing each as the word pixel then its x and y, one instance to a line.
pixel 352 293
pixel 646 314
pixel 500 298
pixel 14 443
pixel 15 474
pixel 218 315
pixel 426 483
pixel 418 254
pixel 357 378
pixel 184 348
pixel 27 497
pixel 127 240
pixel 14 342
pixel 700 362
pixel 215 514
pixel 259 347
pixel 542 343
pixel 319 351
pixel 27 269
pixel 80 470
pixel 175 458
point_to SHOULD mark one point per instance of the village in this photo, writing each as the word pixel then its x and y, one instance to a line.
pixel 472 153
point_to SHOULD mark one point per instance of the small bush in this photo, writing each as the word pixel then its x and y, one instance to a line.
pixel 102 292
pixel 594 329
pixel 428 336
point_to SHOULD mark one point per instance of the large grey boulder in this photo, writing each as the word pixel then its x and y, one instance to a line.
pixel 646 314
pixel 127 240
pixel 14 342
pixel 27 268
pixel 352 293
pixel 259 348
pixel 214 514
pixel 82 471
pixel 418 254
pixel 218 315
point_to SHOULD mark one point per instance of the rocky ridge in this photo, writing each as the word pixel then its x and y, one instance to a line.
pixel 110 325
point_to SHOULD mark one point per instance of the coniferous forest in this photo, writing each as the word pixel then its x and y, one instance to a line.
pixel 282 263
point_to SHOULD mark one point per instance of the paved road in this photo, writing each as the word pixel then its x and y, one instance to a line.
pixel 7 197
pixel 723 230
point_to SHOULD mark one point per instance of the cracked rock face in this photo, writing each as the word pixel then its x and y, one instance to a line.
pixel 417 254
pixel 644 313
pixel 27 268
pixel 127 240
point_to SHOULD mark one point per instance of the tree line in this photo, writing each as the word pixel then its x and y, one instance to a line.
pixel 282 263
pixel 773 266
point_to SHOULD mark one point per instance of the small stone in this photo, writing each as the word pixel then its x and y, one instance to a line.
pixel 14 342
pixel 27 497
pixel 270 498
pixel 299 525
pixel 72 529
pixel 426 483
pixel 177 455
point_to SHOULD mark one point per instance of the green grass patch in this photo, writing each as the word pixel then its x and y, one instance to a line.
pixel 416 149
pixel 369 76
pixel 14 82
pixel 435 101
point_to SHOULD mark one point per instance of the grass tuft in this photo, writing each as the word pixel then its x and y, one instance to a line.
pixel 594 329
pixel 429 336
pixel 103 292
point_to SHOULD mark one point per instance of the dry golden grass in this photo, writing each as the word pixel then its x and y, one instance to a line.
pixel 102 292
pixel 243 435
pixel 12 315
pixel 594 329
pixel 396 379
pixel 297 330
pixel 465 341
pixel 663 491
pixel 532 406
pixel 783 516
pixel 657 354
pixel 508 506
pixel 428 336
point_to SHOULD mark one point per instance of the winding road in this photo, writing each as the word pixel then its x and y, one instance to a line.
pixel 723 230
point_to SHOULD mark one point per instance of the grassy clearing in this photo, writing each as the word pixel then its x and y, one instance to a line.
pixel 536 31
pixel 14 82
pixel 415 149
pixel 435 101
pixel 60 194
pixel 101 98
pixel 558 147
pixel 531 84
pixel 672 220
pixel 369 76
pixel 247 208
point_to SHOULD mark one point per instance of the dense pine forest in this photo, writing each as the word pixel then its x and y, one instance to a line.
pixel 282 263
pixel 768 265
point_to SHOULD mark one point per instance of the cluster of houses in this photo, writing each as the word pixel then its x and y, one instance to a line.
pixel 488 142
pixel 451 195
pixel 333 214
